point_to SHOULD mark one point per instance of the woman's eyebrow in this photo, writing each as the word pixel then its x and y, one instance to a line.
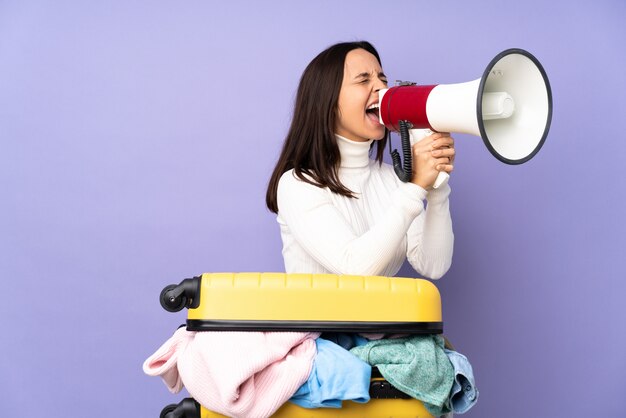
pixel 365 74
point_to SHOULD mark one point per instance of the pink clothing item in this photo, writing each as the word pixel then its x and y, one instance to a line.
pixel 237 374
pixel 163 362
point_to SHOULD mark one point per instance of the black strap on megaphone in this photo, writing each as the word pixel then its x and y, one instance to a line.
pixel 404 171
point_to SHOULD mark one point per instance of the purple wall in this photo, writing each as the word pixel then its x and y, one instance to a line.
pixel 136 142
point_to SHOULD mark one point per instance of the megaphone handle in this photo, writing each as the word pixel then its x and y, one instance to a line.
pixel 442 179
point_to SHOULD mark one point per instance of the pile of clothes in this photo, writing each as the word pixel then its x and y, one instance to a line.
pixel 251 374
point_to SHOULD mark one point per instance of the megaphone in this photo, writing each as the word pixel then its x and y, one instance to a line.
pixel 509 107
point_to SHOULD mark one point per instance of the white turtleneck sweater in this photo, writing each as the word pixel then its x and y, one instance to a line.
pixel 323 232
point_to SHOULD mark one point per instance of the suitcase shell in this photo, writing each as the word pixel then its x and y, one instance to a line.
pixel 379 408
pixel 311 302
pixel 304 302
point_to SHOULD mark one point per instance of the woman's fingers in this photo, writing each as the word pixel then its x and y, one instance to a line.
pixel 444 164
pixel 448 168
pixel 432 154
pixel 442 142
pixel 443 146
pixel 443 152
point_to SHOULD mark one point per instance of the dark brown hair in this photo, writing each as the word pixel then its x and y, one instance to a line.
pixel 310 147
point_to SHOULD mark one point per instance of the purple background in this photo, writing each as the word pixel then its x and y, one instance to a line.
pixel 137 138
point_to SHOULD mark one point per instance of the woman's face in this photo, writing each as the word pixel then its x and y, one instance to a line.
pixel 357 117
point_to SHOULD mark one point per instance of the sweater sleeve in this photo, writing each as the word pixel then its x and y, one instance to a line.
pixel 430 237
pixel 329 238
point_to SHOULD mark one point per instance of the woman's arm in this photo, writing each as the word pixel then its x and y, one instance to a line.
pixel 328 237
pixel 430 237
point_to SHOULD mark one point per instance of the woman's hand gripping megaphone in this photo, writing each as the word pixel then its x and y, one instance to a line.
pixel 433 157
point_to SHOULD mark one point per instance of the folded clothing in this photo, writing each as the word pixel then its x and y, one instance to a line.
pixel 337 375
pixel 464 393
pixel 237 374
pixel 416 365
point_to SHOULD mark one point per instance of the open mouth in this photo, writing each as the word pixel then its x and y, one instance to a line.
pixel 372 112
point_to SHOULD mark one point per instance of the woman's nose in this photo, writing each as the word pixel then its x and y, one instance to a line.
pixel 379 85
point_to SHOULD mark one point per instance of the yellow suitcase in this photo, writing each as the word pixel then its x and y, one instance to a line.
pixel 310 302
pixel 304 302
pixel 379 408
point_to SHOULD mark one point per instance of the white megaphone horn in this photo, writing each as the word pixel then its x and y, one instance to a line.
pixel 509 107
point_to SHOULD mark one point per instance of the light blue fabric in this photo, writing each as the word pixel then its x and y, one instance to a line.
pixel 464 393
pixel 337 375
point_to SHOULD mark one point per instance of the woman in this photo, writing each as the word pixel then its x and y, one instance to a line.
pixel 340 212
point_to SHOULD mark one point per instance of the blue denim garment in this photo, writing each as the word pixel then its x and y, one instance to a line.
pixel 464 393
pixel 337 375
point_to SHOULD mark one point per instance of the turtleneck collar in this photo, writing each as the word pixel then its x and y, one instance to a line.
pixel 353 154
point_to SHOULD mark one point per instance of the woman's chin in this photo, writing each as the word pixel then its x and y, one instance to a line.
pixel 380 134
pixel 377 131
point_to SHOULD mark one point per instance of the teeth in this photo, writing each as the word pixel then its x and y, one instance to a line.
pixel 373 106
